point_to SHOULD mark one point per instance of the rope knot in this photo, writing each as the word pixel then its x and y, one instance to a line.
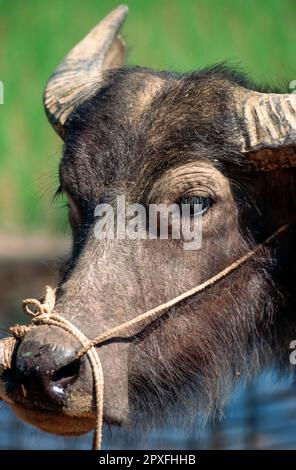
pixel 41 307
pixel 44 306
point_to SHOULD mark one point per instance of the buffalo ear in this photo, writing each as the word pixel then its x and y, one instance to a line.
pixel 79 75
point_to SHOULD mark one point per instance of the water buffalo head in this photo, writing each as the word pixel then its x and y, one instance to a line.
pixel 206 137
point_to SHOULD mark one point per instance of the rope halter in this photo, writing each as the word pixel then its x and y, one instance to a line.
pixel 42 313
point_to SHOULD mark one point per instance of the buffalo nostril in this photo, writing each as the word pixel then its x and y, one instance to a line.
pixel 56 385
pixel 67 374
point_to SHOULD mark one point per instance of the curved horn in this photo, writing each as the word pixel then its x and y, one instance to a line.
pixel 268 128
pixel 78 76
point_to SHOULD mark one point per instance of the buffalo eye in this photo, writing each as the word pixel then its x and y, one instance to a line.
pixel 197 204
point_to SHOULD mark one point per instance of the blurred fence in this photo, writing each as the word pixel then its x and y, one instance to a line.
pixel 259 416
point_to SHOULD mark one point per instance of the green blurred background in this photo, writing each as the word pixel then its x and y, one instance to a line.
pixel 168 34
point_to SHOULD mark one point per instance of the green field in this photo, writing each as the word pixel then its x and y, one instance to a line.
pixel 183 35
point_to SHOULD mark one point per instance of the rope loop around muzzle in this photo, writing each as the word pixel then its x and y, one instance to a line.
pixel 42 313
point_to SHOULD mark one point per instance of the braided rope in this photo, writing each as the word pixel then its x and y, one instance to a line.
pixel 43 314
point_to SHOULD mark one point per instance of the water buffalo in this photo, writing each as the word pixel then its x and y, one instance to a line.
pixel 209 136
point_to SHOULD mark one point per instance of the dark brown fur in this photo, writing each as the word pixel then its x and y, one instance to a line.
pixel 194 355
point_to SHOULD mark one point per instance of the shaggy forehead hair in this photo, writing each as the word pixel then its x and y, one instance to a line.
pixel 142 120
